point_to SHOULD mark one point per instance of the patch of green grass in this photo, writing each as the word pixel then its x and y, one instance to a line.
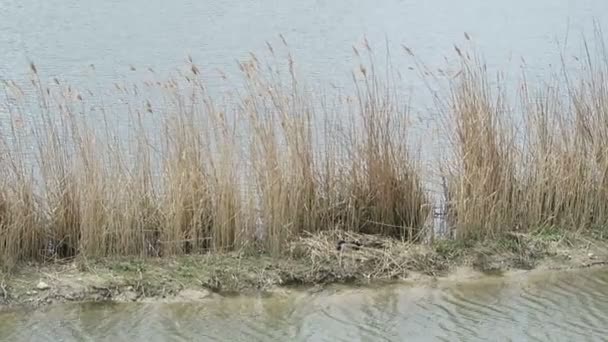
pixel 550 233
pixel 511 244
pixel 128 266
pixel 598 232
pixel 452 249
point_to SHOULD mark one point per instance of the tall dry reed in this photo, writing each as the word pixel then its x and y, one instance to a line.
pixel 482 184
pixel 79 182
pixel 547 171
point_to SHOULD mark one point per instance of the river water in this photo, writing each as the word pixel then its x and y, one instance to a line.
pixel 566 306
pixel 65 37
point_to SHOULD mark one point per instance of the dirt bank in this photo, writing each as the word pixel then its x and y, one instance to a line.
pixel 313 262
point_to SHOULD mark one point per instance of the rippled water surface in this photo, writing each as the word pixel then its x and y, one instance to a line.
pixel 124 40
pixel 65 36
pixel 567 306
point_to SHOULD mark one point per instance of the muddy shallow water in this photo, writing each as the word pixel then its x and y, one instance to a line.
pixel 549 306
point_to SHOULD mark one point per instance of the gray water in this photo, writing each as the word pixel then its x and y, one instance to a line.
pixel 65 37
pixel 568 306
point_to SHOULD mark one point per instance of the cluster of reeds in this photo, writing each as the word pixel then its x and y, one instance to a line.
pixel 540 162
pixel 189 175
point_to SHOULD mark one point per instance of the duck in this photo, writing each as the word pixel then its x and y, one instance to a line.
pixel 345 245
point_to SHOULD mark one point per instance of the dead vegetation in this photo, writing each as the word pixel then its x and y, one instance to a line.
pixel 276 170
pixel 531 164
pixel 187 174
pixel 312 261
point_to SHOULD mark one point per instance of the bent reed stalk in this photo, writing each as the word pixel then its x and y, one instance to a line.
pixel 193 174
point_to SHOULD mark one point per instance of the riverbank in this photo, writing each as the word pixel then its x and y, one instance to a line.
pixel 312 262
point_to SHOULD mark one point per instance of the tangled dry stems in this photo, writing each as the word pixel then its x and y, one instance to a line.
pixel 377 257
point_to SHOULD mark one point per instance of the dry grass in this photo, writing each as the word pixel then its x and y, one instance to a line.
pixel 378 257
pixel 482 185
pixel 570 173
pixel 547 171
pixel 80 181
pixel 384 186
pixel 186 175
